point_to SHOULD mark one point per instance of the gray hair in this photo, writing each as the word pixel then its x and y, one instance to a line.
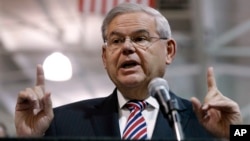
pixel 162 25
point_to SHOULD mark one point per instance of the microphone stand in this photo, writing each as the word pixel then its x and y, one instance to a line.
pixel 170 108
pixel 175 119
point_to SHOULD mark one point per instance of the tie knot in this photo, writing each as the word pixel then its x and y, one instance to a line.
pixel 136 104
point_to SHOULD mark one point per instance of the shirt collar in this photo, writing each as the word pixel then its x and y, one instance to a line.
pixel 150 100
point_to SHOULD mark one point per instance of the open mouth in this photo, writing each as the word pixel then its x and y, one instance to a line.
pixel 129 64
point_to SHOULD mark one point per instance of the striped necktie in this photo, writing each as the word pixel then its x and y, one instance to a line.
pixel 136 127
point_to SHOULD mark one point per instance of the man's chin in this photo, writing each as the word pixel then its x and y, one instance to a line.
pixel 131 82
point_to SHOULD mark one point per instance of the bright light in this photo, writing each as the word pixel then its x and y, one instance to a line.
pixel 57 67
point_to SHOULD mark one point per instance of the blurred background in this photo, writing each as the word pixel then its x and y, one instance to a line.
pixel 208 33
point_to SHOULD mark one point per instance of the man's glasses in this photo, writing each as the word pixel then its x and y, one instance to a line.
pixel 140 41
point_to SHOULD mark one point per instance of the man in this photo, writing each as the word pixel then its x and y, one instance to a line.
pixel 137 48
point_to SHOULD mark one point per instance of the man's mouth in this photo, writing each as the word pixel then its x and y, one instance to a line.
pixel 129 64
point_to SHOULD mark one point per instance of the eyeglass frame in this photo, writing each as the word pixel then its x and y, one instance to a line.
pixel 132 41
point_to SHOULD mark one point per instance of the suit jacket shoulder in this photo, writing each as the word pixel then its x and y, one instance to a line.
pixel 88 118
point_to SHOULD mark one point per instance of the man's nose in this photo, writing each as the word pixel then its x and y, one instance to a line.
pixel 128 47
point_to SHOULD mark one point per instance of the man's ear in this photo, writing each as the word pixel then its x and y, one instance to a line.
pixel 104 56
pixel 171 50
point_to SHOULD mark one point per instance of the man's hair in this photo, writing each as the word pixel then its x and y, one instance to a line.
pixel 162 25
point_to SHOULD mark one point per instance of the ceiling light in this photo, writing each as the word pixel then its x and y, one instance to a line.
pixel 57 67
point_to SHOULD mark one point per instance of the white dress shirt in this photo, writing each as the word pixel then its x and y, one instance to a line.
pixel 150 113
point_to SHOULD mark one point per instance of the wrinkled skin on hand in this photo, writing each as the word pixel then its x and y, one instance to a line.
pixel 217 112
pixel 33 113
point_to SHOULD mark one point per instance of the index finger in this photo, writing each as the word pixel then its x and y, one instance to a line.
pixel 39 76
pixel 211 82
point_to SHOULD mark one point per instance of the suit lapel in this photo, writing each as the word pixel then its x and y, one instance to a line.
pixel 105 120
pixel 106 125
pixel 163 129
pixel 185 108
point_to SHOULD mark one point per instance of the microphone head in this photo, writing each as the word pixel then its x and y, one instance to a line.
pixel 157 83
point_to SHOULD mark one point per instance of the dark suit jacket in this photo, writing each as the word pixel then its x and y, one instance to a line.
pixel 99 118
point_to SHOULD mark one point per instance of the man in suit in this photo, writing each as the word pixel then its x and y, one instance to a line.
pixel 138 47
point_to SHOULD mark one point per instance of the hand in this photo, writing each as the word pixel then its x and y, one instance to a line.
pixel 34 113
pixel 217 112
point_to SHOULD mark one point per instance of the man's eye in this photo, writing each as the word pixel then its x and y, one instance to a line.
pixel 140 39
pixel 117 41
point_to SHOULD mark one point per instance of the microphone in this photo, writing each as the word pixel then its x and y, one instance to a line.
pixel 158 88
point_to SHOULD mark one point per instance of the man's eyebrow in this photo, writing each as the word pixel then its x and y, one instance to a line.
pixel 140 31
pixel 115 33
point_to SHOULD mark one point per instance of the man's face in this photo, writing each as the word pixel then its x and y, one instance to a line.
pixel 129 65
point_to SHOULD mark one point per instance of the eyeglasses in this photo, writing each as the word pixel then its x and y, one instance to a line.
pixel 143 42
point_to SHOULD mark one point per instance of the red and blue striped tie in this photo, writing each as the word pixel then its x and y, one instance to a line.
pixel 136 127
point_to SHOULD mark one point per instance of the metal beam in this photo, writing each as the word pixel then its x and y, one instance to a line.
pixel 231 51
pixel 230 35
